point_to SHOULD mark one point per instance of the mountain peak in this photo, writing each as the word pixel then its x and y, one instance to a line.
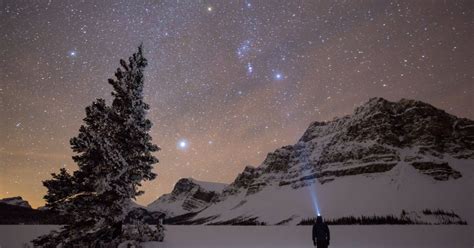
pixel 187 195
pixel 379 104
pixel 185 185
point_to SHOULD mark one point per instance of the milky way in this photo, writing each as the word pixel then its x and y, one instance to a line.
pixel 227 81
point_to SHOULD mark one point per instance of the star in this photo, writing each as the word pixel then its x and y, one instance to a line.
pixel 278 76
pixel 209 8
pixel 72 53
pixel 248 4
pixel 182 144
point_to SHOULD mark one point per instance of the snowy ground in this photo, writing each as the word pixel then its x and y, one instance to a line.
pixel 12 236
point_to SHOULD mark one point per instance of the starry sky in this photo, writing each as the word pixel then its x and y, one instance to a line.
pixel 227 81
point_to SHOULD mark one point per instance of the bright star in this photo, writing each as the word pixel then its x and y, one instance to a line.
pixel 278 76
pixel 248 4
pixel 209 9
pixel 183 144
pixel 72 53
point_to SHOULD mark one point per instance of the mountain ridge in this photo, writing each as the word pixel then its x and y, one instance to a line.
pixel 391 145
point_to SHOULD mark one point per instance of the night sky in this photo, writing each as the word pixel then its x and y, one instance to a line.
pixel 227 81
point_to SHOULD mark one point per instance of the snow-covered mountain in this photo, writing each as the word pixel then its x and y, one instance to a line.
pixel 188 195
pixel 16 201
pixel 404 158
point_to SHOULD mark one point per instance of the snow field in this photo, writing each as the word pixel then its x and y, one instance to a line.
pixel 13 236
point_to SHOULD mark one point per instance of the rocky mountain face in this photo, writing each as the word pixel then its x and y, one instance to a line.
pixel 15 201
pixel 379 135
pixel 403 150
pixel 188 195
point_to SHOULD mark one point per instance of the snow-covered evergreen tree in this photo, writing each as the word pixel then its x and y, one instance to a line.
pixel 114 156
pixel 131 125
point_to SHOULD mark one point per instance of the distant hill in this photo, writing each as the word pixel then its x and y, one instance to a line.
pixel 15 211
pixel 16 201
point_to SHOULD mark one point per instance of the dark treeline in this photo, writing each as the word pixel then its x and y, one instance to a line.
pixel 13 215
pixel 440 212
pixel 363 220
pixel 385 220
pixel 240 222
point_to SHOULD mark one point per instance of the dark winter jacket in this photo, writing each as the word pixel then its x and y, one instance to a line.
pixel 321 233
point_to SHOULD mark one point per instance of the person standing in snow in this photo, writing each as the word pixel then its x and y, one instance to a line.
pixel 320 233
